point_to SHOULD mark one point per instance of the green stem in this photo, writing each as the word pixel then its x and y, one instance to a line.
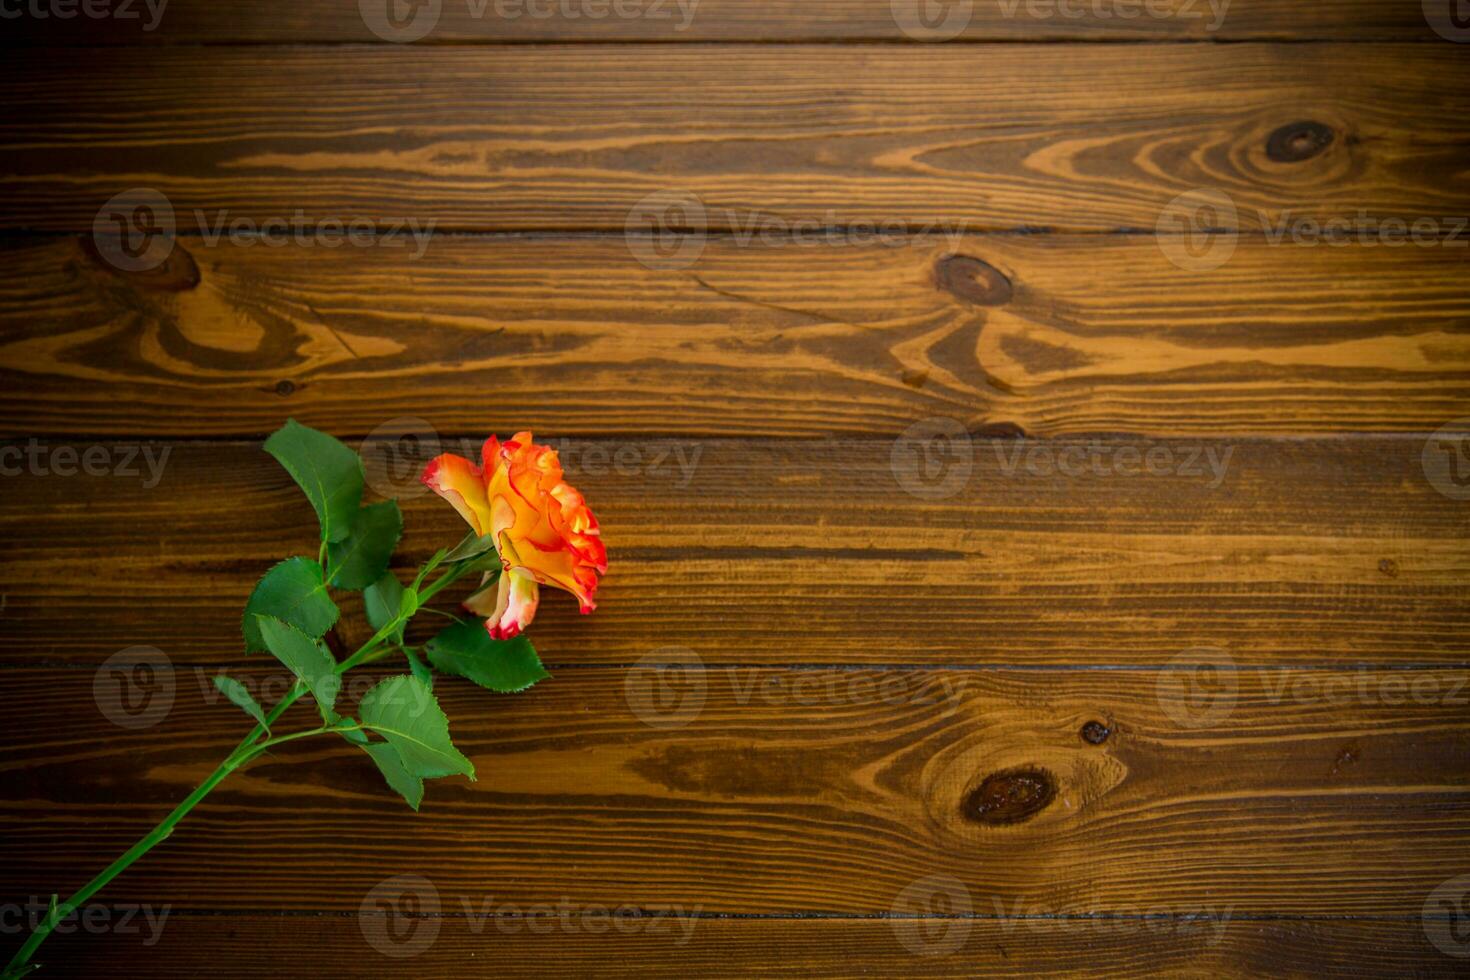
pixel 242 753
pixel 155 836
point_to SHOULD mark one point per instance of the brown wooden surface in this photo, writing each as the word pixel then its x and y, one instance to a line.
pixel 882 665
pixel 785 791
pixel 548 138
pixel 463 21
pixel 836 948
pixel 1306 552
pixel 770 338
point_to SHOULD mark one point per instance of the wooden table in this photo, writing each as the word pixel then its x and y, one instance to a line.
pixel 1011 425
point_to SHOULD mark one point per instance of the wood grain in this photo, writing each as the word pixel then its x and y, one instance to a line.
pixel 1070 334
pixel 944 721
pixel 256 946
pixel 1317 552
pixel 573 138
pixel 668 21
pixel 1315 793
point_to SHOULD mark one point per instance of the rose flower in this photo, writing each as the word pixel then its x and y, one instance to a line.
pixel 541 526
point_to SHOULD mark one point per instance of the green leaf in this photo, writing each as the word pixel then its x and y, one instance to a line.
pixel 419 668
pixel 353 734
pixel 330 474
pixel 471 547
pixel 488 562
pixel 307 659
pixel 294 592
pixel 241 698
pixel 466 650
pixel 358 560
pixel 382 600
pixel 434 560
pixel 404 712
pixel 405 783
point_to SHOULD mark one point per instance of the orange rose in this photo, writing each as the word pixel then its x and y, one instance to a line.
pixel 542 528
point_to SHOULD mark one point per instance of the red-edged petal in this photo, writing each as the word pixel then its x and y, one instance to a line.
pixel 461 483
pixel 518 598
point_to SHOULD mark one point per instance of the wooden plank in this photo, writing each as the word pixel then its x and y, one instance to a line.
pixel 456 947
pixel 1303 792
pixel 548 138
pixel 1316 552
pixel 257 21
pixel 1048 334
